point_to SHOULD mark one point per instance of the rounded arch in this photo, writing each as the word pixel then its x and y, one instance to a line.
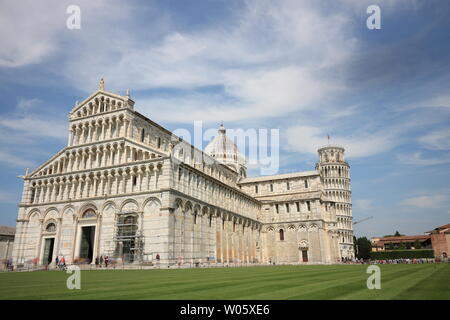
pixel 188 206
pixel 153 199
pixel 33 212
pixel 178 203
pixel 85 207
pixel 67 208
pixel 50 225
pixel 151 206
pixel 51 213
pixel 129 205
pixel 303 244
pixel 108 205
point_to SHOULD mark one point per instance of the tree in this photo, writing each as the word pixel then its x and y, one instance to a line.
pixel 417 244
pixel 364 248
pixel 397 234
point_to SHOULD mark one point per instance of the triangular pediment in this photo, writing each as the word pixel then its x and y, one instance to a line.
pixel 98 102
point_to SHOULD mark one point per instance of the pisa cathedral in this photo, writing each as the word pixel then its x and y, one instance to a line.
pixel 123 188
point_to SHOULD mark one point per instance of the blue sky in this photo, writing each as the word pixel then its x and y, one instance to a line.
pixel 308 68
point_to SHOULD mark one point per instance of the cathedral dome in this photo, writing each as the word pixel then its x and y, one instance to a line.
pixel 224 150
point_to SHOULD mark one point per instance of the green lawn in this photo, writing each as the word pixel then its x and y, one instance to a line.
pixel 428 281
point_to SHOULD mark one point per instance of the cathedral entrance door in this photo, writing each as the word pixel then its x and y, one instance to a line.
pixel 305 255
pixel 87 243
pixel 48 250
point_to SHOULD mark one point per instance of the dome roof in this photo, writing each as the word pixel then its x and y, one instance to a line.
pixel 224 150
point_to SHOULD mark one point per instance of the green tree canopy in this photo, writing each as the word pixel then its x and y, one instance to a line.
pixel 363 248
pixel 417 244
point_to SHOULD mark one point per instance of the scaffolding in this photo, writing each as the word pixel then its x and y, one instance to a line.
pixel 128 238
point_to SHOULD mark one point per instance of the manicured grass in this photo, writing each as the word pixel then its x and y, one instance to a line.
pixel 427 281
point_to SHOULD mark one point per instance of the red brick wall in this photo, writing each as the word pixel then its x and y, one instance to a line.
pixel 439 243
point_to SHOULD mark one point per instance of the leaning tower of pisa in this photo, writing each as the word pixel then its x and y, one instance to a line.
pixel 335 176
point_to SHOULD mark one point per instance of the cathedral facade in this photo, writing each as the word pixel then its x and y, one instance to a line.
pixel 127 188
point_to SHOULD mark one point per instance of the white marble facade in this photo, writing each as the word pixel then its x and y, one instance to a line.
pixel 127 188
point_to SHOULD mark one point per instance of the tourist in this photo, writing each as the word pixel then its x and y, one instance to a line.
pixel 62 263
pixel 101 261
pixel 96 262
pixel 106 261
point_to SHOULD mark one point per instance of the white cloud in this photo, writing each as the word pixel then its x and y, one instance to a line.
pixel 34 127
pixel 437 140
pixel 270 59
pixel 442 100
pixel 309 139
pixel 363 204
pixel 15 160
pixel 434 201
pixel 417 159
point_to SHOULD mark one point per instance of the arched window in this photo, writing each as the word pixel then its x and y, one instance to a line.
pixel 130 220
pixel 89 214
pixel 281 235
pixel 51 227
pixel 306 183
pixel 142 134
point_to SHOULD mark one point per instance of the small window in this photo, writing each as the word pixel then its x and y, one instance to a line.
pixel 33 193
pixel 142 135
pixel 271 187
pixel 287 207
pixel 281 235
pixel 256 188
pixel 158 142
pixel 51 227
pixel 277 209
pixel 306 183
pixel 308 204
pixel 288 187
pixel 134 180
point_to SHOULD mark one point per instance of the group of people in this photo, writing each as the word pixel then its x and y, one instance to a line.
pixel 407 261
pixel 60 263
pixel 100 260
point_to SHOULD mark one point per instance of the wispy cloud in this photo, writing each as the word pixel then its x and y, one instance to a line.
pixel 437 140
pixel 433 201
pixel 363 204
pixel 15 160
pixel 308 138
pixel 417 159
